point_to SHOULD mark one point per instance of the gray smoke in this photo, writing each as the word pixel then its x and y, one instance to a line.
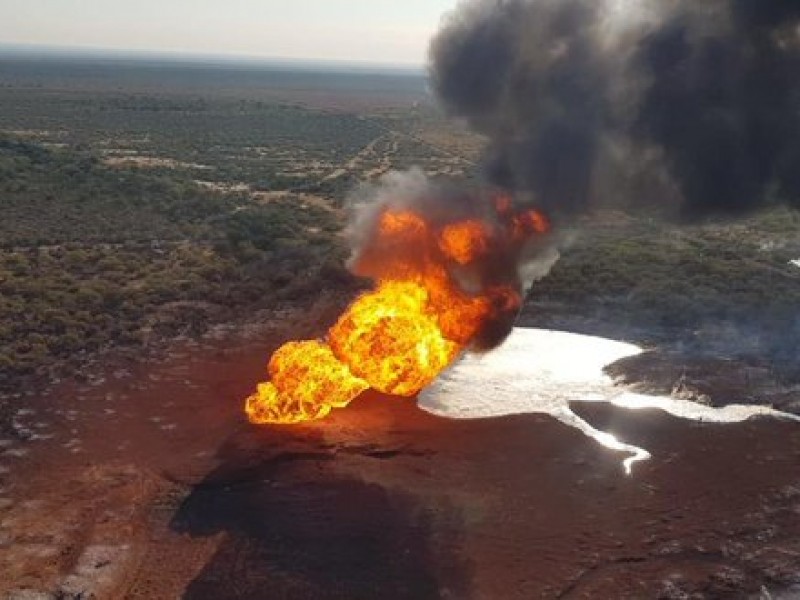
pixel 502 271
pixel 692 105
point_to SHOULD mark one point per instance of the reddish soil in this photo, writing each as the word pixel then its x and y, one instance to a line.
pixel 153 486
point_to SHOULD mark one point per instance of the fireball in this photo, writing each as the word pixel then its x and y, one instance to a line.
pixel 435 293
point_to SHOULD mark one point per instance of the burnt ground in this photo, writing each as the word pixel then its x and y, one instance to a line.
pixel 712 380
pixel 147 483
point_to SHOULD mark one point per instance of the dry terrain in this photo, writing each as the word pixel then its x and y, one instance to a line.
pixel 147 483
pixel 162 230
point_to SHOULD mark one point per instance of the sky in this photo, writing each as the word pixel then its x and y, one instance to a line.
pixel 378 31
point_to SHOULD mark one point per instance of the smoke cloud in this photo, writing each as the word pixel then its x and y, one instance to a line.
pixel 690 106
pixel 503 251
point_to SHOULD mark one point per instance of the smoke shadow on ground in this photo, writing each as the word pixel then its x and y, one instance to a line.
pixel 541 511
pixel 711 380
pixel 716 360
pixel 295 528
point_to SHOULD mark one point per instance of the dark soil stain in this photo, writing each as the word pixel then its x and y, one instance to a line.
pixel 294 529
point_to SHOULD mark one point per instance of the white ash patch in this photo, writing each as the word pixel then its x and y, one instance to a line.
pixel 98 571
pixel 28 594
pixel 21 430
pixel 122 374
pixel 15 452
pixel 74 445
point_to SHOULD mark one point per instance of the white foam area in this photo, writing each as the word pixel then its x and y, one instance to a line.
pixel 796 263
pixel 542 371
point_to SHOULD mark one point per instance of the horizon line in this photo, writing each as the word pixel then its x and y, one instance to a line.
pixel 188 56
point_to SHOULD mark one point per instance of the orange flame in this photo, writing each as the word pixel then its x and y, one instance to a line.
pixel 397 338
pixel 463 242
pixel 307 382
pixel 529 222
pixel 392 338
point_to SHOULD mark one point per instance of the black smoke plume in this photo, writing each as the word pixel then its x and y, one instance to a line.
pixel 691 105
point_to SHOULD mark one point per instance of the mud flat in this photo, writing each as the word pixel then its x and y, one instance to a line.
pixel 173 495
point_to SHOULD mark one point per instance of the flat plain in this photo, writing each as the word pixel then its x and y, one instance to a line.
pixel 165 226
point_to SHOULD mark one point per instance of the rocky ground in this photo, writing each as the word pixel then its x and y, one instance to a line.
pixel 144 481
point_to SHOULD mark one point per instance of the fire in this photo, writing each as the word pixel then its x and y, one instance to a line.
pixel 434 296
pixel 464 241
pixel 307 383
pixel 392 338
pixel 529 222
